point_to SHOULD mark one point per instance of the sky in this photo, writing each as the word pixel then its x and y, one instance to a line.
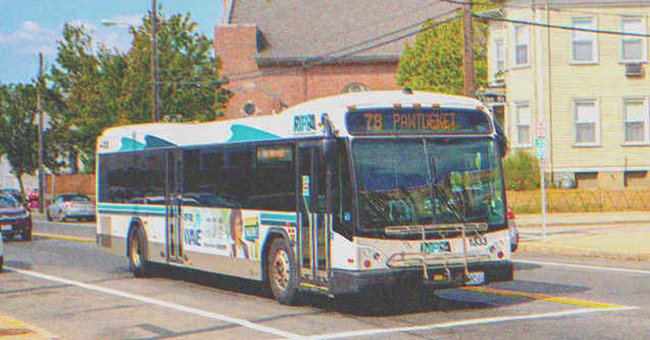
pixel 28 27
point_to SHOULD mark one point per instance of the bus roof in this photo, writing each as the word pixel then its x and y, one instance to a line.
pixel 302 120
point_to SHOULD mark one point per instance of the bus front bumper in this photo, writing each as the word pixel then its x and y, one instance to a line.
pixel 345 281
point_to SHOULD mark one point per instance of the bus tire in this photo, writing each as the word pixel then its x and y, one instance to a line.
pixel 140 266
pixel 282 274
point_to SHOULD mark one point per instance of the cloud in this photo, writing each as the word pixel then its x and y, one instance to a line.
pixel 31 38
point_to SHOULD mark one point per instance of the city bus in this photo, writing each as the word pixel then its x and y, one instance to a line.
pixel 335 196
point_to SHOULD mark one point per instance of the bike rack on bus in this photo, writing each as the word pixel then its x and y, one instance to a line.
pixel 442 260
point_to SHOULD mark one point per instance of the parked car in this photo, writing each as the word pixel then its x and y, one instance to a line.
pixel 514 233
pixel 17 194
pixel 66 206
pixel 15 219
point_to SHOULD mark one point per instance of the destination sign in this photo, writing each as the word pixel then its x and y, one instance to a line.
pixel 437 121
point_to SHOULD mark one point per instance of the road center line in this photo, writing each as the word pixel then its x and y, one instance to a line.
pixel 160 303
pixel 581 266
pixel 543 297
pixel 469 322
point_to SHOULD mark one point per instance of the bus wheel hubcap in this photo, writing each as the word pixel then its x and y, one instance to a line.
pixel 135 251
pixel 282 269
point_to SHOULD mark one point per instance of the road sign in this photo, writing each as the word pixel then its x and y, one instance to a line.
pixel 541 129
pixel 540 148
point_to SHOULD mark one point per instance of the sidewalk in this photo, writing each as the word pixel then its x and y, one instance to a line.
pixel 614 235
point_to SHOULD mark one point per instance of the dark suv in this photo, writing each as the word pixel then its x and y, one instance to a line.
pixel 15 219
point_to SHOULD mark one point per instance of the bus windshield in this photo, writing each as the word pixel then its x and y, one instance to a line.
pixel 428 181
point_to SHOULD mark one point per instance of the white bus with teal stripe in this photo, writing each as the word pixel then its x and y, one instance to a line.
pixel 346 194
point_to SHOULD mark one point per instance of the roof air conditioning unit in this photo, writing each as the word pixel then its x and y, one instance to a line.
pixel 634 70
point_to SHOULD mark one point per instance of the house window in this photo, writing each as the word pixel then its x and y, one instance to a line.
pixel 585 47
pixel 523 118
pixel 500 55
pixel 636 120
pixel 522 40
pixel 633 48
pixel 587 121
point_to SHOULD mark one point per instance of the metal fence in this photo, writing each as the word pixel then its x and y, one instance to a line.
pixel 576 200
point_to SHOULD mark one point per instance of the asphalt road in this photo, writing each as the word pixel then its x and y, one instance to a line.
pixel 71 289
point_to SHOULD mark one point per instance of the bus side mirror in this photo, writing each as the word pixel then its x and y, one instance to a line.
pixel 502 140
pixel 328 148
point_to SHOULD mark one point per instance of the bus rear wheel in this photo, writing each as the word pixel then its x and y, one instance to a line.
pixel 138 254
pixel 282 274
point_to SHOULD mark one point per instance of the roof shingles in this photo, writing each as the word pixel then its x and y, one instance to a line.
pixel 301 30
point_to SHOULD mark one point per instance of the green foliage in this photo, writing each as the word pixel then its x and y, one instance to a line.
pixel 435 62
pixel 521 171
pixel 188 72
pixel 18 132
pixel 19 128
pixel 104 88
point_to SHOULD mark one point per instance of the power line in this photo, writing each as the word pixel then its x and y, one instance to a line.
pixel 322 60
pixel 563 27
pixel 357 44
pixel 331 57
pixel 574 11
pixel 366 26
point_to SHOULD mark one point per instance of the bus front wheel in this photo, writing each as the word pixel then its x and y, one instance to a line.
pixel 282 274
pixel 138 254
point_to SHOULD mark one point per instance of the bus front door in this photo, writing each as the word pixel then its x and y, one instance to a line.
pixel 173 200
pixel 314 223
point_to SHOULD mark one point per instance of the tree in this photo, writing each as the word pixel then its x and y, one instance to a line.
pixel 190 83
pixel 435 61
pixel 104 88
pixel 18 130
pixel 92 86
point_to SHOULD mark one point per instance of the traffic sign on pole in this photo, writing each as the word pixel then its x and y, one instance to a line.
pixel 540 148
pixel 540 128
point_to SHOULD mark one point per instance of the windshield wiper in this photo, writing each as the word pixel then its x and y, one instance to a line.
pixel 448 199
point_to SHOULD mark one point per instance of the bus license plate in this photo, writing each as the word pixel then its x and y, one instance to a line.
pixel 476 278
pixel 435 247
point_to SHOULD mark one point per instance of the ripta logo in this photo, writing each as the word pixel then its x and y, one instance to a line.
pixel 304 124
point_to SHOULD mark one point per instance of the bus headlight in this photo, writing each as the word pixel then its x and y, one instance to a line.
pixel 370 258
pixel 498 250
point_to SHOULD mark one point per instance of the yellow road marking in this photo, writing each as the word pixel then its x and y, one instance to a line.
pixel 11 328
pixel 544 297
pixel 65 238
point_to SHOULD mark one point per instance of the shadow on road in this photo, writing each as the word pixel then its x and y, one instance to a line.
pixel 382 301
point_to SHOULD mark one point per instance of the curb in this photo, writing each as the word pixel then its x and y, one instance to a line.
pixel 583 252
pixel 65 238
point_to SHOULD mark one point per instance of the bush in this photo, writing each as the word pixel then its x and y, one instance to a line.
pixel 521 171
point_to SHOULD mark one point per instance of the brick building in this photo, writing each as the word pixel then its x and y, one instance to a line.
pixel 280 53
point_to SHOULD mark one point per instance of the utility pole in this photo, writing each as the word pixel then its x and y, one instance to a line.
pixel 39 109
pixel 155 95
pixel 468 54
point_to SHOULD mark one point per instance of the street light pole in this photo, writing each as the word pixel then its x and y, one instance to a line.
pixel 39 108
pixel 155 95
pixel 469 87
